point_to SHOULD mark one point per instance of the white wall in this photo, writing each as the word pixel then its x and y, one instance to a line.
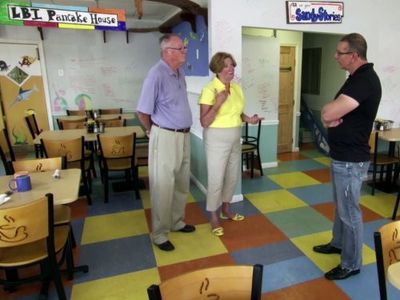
pixel 79 62
pixel 376 20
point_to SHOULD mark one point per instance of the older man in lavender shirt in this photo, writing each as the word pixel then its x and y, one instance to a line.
pixel 164 111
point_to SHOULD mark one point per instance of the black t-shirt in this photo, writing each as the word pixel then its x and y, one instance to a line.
pixel 349 140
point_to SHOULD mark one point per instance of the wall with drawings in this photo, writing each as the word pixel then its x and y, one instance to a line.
pixel 85 73
pixel 260 75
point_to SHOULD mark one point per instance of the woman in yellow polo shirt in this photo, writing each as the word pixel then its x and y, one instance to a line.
pixel 221 114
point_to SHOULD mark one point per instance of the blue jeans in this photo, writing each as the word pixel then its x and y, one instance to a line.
pixel 347 179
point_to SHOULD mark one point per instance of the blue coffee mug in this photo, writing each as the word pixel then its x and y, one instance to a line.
pixel 20 183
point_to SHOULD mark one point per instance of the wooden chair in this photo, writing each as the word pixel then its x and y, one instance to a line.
pixel 5 162
pixel 6 145
pixel 117 153
pixel 74 152
pixel 387 251
pixel 251 149
pixel 110 111
pixel 118 122
pixel 72 124
pixel 30 238
pixel 34 130
pixel 80 112
pixel 227 282
pixel 379 159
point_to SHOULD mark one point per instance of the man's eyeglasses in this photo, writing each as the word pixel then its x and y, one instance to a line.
pixel 340 53
pixel 184 48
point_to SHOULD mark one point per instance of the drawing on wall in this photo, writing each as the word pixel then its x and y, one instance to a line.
pixel 19 136
pixel 17 75
pixel 59 103
pixel 84 102
pixel 3 66
pixel 23 95
pixel 26 60
pixel 197 43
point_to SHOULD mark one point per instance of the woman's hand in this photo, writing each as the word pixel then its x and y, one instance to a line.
pixel 254 119
pixel 220 97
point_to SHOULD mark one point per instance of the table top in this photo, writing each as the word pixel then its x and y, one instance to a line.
pixel 89 137
pixel 127 116
pixel 65 189
pixel 392 135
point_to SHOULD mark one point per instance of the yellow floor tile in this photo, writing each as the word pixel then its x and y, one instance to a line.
pixel 293 179
pixel 323 261
pixel 131 286
pixel 274 201
pixel 189 246
pixel 380 203
pixel 114 226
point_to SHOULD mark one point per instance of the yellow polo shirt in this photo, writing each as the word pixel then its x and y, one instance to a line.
pixel 230 112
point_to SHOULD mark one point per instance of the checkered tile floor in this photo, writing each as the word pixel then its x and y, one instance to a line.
pixel 288 210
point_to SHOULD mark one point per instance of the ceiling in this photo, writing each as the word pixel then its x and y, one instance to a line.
pixel 158 15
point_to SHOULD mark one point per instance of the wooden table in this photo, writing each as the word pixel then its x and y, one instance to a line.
pixel 65 189
pixel 392 136
pixel 127 116
pixel 89 137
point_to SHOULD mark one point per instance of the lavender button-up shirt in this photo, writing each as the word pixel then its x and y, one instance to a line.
pixel 164 97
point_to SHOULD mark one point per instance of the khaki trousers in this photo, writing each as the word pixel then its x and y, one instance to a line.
pixel 169 176
pixel 223 151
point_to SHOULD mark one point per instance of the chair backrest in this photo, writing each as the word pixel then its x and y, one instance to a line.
pixel 5 162
pixel 117 146
pixel 72 124
pixel 39 165
pixel 33 127
pixel 110 111
pixel 251 139
pixel 72 150
pixel 118 122
pixel 5 144
pixel 387 251
pixel 227 282
pixel 80 112
pixel 20 226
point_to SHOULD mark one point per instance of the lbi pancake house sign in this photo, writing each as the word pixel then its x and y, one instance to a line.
pixel 301 12
pixel 39 14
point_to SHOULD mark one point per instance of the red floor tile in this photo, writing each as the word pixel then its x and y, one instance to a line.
pixel 322 175
pixel 253 231
pixel 291 156
pixel 170 271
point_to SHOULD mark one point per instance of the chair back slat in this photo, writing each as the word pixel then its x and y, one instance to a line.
pixel 227 282
pixel 117 146
pixel 71 149
pixel 18 227
pixel 110 111
pixel 38 165
pixel 72 124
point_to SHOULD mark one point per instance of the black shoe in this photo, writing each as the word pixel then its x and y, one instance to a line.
pixel 166 246
pixel 327 249
pixel 339 273
pixel 187 228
